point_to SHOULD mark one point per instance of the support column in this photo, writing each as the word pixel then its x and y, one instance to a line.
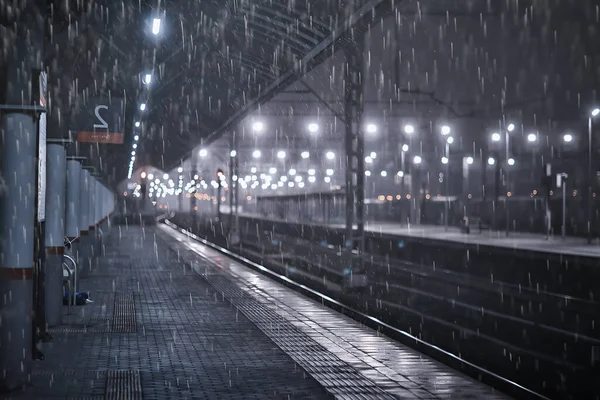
pixel 16 233
pixel 98 217
pixel 18 193
pixel 55 231
pixel 90 220
pixel 84 204
pixel 72 223
pixel 91 216
pixel 355 173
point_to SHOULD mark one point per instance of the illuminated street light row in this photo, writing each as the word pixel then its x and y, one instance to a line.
pixel 281 154
pixel 313 127
pixel 532 137
pixel 147 80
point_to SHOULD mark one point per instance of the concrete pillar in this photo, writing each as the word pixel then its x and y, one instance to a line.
pixel 84 204
pixel 98 217
pixel 17 201
pixel 18 193
pixel 91 215
pixel 55 231
pixel 72 225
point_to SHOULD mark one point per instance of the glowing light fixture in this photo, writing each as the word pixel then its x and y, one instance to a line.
pixel 258 126
pixel 156 26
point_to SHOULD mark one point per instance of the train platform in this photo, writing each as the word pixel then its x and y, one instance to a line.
pixel 554 244
pixel 172 318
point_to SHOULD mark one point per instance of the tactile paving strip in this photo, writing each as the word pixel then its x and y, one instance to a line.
pixel 124 313
pixel 123 385
pixel 335 375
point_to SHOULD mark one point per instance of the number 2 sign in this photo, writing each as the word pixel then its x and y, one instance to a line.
pixel 100 121
pixel 103 124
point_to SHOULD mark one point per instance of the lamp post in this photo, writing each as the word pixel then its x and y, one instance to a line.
pixel 449 141
pixel 417 162
pixel 403 166
pixel 509 128
pixel 445 131
pixel 593 114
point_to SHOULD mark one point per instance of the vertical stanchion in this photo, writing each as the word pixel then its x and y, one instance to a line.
pixel 18 194
pixel 73 218
pixel 355 174
pixel 90 221
pixel 55 230
pixel 16 271
pixel 590 198
pixel 84 204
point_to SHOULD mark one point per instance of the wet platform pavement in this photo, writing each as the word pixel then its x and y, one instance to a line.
pixel 159 329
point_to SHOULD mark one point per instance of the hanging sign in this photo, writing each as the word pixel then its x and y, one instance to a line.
pixel 99 120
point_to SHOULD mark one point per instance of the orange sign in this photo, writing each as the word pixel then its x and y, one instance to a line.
pixel 100 137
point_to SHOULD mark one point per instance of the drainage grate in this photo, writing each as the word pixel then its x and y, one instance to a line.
pixel 124 313
pixel 125 384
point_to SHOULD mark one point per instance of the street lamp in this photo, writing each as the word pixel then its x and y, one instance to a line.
pixel 445 130
pixel 417 160
pixel 156 26
pixel 313 127
pixel 495 137
pixel 567 138
pixel 258 126
pixel 371 128
pixel 532 137
pixel 409 129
